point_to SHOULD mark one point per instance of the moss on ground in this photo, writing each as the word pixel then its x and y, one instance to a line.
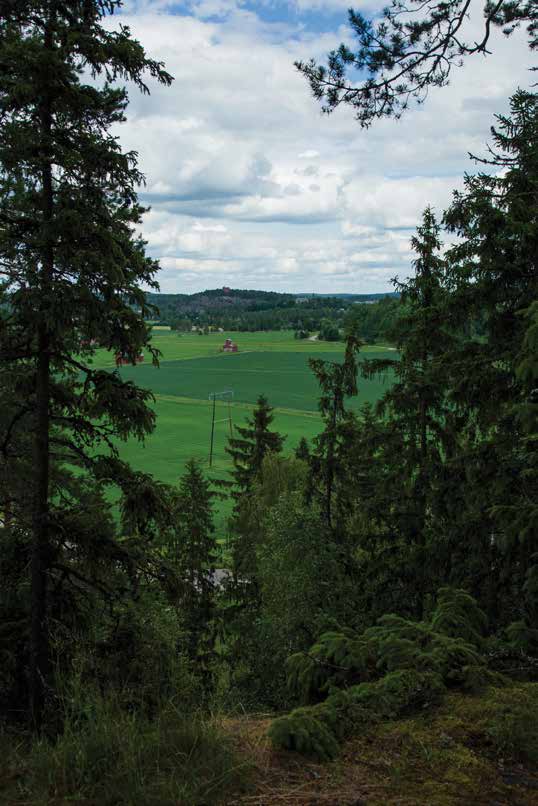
pixel 472 749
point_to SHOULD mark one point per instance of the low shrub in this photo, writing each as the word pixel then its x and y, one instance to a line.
pixel 386 671
pixel 316 730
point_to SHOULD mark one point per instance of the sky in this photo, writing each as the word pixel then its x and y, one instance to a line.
pixel 251 186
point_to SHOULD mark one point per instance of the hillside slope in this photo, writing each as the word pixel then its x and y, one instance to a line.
pixel 479 750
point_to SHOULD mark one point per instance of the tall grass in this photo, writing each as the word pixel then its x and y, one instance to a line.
pixel 106 756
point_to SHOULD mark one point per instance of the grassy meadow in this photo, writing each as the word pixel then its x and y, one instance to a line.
pixel 193 366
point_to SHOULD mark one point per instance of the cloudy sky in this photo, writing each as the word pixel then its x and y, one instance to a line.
pixel 251 186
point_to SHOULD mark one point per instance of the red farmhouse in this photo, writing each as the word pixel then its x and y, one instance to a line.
pixel 229 346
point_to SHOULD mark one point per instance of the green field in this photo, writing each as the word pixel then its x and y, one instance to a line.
pixel 180 347
pixel 192 366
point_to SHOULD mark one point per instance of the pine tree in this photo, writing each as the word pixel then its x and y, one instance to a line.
pixel 72 264
pixel 406 49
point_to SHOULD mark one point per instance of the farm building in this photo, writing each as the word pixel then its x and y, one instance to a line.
pixel 229 346
pixel 122 359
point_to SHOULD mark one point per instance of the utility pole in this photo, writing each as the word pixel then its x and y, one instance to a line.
pixel 212 432
pixel 227 394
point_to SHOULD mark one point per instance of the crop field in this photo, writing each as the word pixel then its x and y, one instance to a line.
pixel 192 367
pixel 175 346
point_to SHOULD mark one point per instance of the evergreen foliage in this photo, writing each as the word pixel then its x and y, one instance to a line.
pixel 191 551
pixel 248 450
pixel 391 561
pixel 302 451
pixel 412 414
pixel 337 381
pixel 408 49
pixel 71 270
pixel 438 483
pixel 493 272
pixel 283 597
pixel 389 669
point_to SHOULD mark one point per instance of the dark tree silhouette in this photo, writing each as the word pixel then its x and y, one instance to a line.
pixel 71 263
pixel 414 45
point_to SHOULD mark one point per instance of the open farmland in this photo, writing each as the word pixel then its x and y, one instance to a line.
pixel 191 367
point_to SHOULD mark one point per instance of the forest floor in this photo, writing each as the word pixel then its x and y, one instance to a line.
pixel 440 758
pixel 471 750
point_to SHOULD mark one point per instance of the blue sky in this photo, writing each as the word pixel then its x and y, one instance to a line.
pixel 251 186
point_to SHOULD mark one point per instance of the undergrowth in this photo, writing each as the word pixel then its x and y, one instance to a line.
pixel 470 749
pixel 348 681
pixel 110 757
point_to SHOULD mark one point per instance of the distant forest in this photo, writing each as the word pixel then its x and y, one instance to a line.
pixel 374 315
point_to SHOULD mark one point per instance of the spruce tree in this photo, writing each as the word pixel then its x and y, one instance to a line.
pixel 392 457
pixel 493 276
pixel 337 381
pixel 302 451
pixel 192 551
pixel 248 451
pixel 71 263
pixel 254 442
pixel 450 457
pixel 414 411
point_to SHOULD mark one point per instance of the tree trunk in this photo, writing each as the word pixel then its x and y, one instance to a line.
pixel 423 444
pixel 39 651
pixel 41 551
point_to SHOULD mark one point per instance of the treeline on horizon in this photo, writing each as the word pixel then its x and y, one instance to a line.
pixel 251 311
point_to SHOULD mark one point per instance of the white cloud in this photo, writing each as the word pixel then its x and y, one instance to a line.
pixel 251 186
